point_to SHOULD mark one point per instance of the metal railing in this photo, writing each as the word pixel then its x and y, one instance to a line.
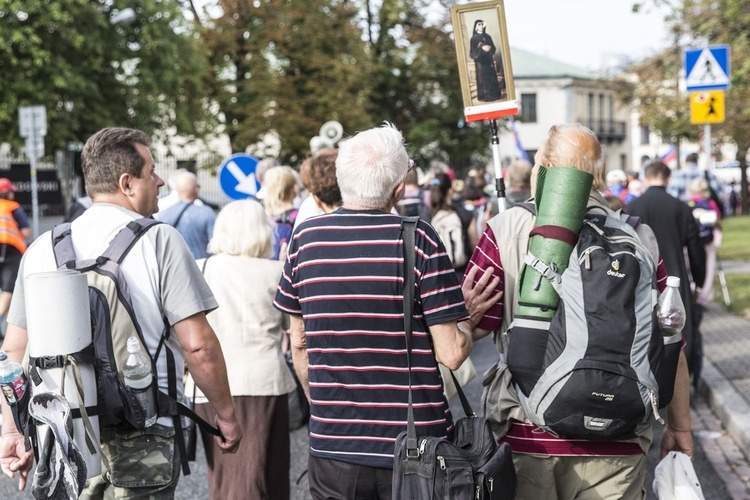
pixel 59 181
pixel 606 130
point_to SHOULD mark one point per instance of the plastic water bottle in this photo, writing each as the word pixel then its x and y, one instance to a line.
pixel 13 384
pixel 138 377
pixel 671 311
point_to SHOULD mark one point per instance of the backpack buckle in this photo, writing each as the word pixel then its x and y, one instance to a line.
pixel 50 361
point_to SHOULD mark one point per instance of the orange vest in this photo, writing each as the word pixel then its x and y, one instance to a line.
pixel 9 232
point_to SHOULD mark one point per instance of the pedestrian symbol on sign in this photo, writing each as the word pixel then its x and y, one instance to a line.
pixel 707 68
pixel 707 107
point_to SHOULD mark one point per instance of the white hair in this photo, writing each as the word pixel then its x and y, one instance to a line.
pixel 370 166
pixel 242 228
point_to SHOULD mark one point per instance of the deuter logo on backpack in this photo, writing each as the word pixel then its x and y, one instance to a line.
pixel 600 369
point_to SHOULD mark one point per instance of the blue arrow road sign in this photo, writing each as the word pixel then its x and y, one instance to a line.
pixel 707 68
pixel 237 176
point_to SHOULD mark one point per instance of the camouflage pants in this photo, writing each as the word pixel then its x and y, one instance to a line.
pixel 136 464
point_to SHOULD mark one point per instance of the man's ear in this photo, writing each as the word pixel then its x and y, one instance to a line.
pixel 398 193
pixel 124 183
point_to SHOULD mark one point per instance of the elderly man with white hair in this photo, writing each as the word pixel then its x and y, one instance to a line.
pixel 343 287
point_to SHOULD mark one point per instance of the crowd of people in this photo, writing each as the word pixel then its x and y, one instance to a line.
pixel 315 264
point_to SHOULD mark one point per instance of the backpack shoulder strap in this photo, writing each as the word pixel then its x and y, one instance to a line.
pixel 62 246
pixel 127 237
pixel 528 206
pixel 631 220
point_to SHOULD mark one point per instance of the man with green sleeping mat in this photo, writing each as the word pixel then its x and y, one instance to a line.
pixel 548 465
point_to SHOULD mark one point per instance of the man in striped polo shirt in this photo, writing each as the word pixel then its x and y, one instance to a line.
pixel 550 467
pixel 343 288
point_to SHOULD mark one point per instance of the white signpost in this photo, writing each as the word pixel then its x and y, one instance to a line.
pixel 32 123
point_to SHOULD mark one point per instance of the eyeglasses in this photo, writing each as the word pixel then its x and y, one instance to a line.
pixel 412 165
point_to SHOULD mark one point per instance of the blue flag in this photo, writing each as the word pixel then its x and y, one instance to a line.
pixel 520 152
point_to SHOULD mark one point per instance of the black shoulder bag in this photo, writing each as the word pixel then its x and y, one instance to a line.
pixel 472 465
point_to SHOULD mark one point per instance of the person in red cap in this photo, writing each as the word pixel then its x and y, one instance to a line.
pixel 14 231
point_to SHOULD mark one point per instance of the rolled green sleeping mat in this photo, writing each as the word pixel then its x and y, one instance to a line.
pixel 562 194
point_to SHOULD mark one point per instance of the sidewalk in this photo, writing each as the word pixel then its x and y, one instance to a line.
pixel 726 370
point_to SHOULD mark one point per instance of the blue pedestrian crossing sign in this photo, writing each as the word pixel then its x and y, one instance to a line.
pixel 707 68
pixel 237 176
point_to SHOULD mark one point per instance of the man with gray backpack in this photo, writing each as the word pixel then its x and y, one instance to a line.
pixel 578 439
pixel 169 300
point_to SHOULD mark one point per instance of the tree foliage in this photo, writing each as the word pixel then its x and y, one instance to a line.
pixel 288 67
pixel 262 68
pixel 654 86
pixel 416 82
pixel 726 22
pixel 65 55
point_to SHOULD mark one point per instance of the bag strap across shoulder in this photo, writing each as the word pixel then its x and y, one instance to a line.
pixel 631 220
pixel 408 229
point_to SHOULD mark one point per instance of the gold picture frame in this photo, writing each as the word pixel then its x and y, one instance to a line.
pixel 484 65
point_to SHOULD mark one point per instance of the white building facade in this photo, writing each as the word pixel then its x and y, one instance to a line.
pixel 551 92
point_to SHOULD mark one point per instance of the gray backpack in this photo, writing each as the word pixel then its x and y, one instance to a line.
pixel 601 368
pixel 113 321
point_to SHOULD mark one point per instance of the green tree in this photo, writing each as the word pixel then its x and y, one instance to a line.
pixel 653 85
pixel 700 23
pixel 286 67
pixel 65 55
pixel 417 86
pixel 726 22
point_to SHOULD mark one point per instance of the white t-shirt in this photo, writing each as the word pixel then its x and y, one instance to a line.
pixel 307 209
pixel 160 272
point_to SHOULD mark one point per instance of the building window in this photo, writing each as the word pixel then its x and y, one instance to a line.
pixel 645 135
pixel 528 108
pixel 624 163
pixel 591 110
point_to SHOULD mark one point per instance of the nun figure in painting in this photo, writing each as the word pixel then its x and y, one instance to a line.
pixel 482 51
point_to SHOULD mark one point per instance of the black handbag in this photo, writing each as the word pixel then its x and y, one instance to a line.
pixel 299 407
pixel 472 465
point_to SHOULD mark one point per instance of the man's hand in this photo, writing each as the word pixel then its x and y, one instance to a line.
pixel 14 458
pixel 479 297
pixel 676 440
pixel 232 434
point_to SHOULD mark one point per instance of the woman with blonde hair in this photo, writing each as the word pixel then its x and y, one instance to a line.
pixel 250 330
pixel 282 186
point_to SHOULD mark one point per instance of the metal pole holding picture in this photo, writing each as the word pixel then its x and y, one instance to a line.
pixel 499 181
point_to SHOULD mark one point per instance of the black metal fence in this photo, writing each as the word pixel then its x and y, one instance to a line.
pixel 59 180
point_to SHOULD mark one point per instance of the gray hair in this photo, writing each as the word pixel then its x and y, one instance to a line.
pixel 572 144
pixel 371 165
